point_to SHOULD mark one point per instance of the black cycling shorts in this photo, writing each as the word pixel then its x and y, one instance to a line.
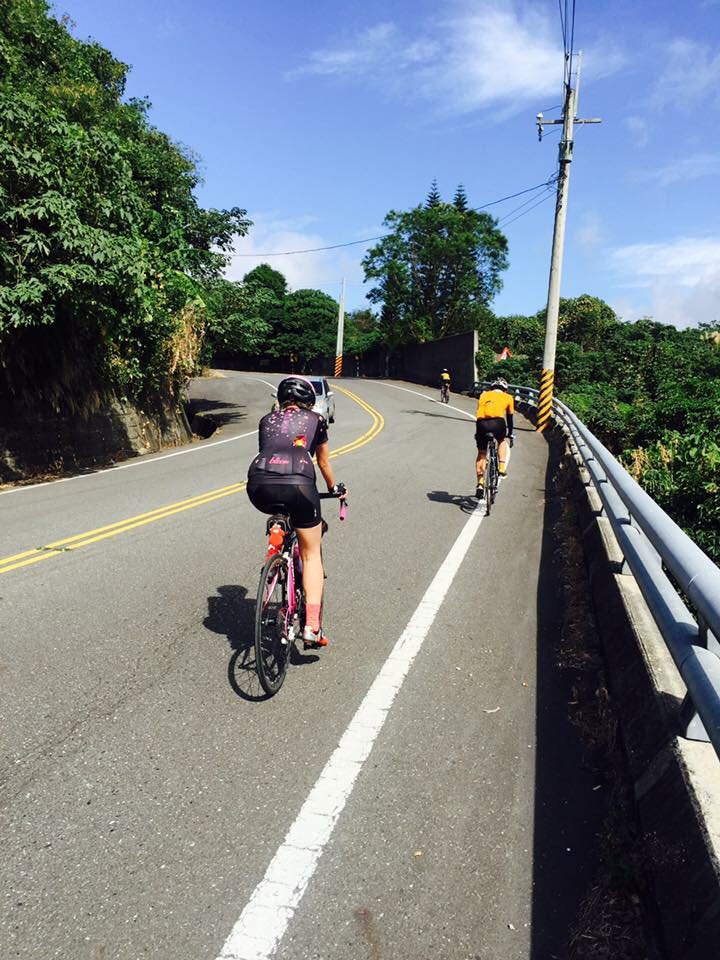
pixel 494 425
pixel 300 501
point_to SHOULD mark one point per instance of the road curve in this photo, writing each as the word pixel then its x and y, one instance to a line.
pixel 146 786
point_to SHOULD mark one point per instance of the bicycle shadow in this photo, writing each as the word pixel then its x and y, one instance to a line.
pixel 442 416
pixel 231 613
pixel 466 502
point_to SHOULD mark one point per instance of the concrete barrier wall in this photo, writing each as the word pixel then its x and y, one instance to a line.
pixel 32 446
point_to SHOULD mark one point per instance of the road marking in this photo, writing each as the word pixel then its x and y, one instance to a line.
pixel 266 916
pixel 35 555
pixel 127 466
pixel 426 397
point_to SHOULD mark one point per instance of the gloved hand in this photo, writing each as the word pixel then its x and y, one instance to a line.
pixel 511 439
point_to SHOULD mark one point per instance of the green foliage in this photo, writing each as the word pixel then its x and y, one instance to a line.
pixel 236 318
pixel 310 327
pixel 263 276
pixel 362 331
pixel 102 243
pixel 681 471
pixel 439 263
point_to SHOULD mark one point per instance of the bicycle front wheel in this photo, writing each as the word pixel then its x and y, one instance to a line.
pixel 272 645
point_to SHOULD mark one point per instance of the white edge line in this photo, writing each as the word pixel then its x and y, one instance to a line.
pixel 265 918
pixel 426 397
pixel 127 466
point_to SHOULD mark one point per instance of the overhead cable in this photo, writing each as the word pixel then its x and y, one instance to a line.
pixel 353 243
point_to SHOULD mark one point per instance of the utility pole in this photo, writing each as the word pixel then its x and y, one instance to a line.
pixel 341 330
pixel 569 119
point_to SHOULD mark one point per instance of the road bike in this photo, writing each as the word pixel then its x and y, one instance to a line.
pixel 491 474
pixel 280 605
pixel 445 392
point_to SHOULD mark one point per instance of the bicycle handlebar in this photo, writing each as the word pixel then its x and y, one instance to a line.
pixel 338 492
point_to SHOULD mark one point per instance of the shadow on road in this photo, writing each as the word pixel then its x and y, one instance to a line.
pixel 569 807
pixel 466 502
pixel 231 613
pixel 221 412
pixel 443 416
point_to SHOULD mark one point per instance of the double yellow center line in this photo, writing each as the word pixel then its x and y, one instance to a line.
pixel 37 554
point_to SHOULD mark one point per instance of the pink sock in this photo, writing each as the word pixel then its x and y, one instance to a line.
pixel 312 616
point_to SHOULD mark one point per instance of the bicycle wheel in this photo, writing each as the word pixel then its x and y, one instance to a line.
pixel 272 647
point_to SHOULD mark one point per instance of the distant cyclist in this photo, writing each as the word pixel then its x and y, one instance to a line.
pixel 495 411
pixel 281 479
pixel 444 385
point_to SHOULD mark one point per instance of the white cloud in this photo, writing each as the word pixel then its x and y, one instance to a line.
pixel 321 269
pixel 492 54
pixel 370 47
pixel 682 279
pixel 589 233
pixel 692 167
pixel 639 130
pixel 692 72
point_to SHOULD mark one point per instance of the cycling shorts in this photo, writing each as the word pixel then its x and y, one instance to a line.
pixel 300 501
pixel 494 425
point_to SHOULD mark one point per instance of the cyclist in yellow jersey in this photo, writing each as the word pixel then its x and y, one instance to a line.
pixel 445 383
pixel 494 415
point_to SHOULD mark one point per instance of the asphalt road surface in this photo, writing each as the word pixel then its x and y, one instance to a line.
pixel 411 792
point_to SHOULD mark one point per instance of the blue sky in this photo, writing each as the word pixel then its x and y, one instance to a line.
pixel 320 117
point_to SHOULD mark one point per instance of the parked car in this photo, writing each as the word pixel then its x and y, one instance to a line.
pixel 325 402
pixel 324 398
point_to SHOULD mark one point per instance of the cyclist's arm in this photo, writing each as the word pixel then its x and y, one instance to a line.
pixel 510 422
pixel 323 461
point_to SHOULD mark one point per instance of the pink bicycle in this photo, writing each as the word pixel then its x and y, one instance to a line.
pixel 280 606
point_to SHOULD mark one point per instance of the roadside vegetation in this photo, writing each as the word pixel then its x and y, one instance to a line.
pixel 649 391
pixel 104 250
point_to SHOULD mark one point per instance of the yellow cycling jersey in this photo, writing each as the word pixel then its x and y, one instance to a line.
pixel 494 403
pixel 445 376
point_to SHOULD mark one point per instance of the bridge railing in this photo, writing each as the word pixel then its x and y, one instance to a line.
pixel 680 583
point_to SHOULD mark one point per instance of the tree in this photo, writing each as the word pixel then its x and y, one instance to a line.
pixel 103 245
pixel 433 198
pixel 310 328
pixel 432 271
pixel 460 201
pixel 236 320
pixel 265 277
pixel 362 331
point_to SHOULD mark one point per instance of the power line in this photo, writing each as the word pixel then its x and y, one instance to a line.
pixel 517 209
pixel 290 253
pixel 541 200
pixel 353 243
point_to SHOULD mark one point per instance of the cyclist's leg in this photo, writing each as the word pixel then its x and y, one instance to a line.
pixel 308 526
pixel 481 443
pixel 501 435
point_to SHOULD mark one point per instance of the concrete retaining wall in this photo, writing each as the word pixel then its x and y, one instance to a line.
pixel 676 781
pixel 55 445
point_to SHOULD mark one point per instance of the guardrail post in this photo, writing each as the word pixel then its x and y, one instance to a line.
pixel 691 726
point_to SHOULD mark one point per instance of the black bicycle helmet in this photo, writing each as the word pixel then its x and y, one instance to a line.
pixel 296 390
pixel 499 382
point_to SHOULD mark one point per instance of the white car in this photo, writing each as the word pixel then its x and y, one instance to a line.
pixel 325 399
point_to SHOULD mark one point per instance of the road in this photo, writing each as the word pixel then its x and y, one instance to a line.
pixel 147 789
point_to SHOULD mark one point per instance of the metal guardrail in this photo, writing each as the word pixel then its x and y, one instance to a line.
pixel 654 546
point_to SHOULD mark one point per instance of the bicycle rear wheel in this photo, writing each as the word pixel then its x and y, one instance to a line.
pixel 272 646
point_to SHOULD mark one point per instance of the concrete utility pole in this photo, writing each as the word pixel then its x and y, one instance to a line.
pixel 570 102
pixel 341 330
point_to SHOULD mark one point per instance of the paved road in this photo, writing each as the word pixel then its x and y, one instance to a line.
pixel 146 787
